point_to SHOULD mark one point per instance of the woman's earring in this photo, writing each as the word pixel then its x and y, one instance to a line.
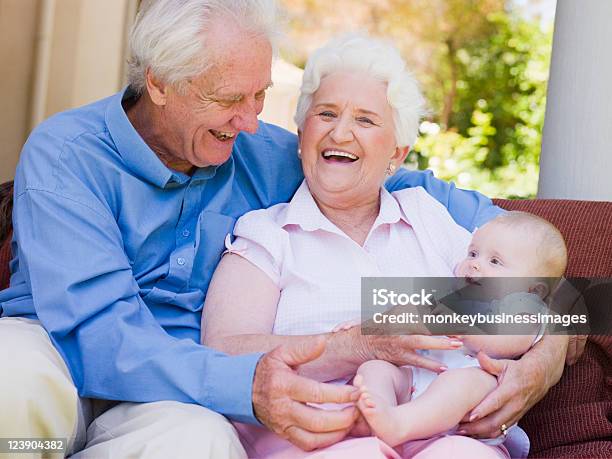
pixel 391 169
pixel 299 152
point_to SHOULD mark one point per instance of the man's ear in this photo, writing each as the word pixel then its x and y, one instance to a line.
pixel 158 91
pixel 540 289
pixel 400 155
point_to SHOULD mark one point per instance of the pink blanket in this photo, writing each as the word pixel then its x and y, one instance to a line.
pixel 261 443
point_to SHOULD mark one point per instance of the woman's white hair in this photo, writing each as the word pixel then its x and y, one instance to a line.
pixel 374 57
pixel 169 36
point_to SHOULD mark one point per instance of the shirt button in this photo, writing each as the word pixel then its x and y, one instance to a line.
pixel 186 233
pixel 180 261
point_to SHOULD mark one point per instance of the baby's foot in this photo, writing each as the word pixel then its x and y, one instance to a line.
pixel 384 419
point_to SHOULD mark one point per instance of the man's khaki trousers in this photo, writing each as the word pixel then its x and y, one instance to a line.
pixel 39 400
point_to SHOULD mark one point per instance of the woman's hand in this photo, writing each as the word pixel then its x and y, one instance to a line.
pixel 519 388
pixel 521 384
pixel 280 398
pixel 575 348
pixel 401 350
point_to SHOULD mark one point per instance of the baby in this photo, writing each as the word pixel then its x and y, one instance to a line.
pixel 403 404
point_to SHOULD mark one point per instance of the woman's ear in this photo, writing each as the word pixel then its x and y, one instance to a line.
pixel 400 155
pixel 540 289
pixel 157 89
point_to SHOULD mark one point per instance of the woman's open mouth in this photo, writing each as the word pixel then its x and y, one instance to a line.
pixel 339 156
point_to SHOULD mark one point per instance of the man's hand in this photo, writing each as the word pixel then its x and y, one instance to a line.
pixel 521 384
pixel 361 428
pixel 280 398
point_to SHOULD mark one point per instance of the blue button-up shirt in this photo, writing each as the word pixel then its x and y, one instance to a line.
pixel 113 252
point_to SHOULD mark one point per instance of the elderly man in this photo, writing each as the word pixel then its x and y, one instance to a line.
pixel 121 209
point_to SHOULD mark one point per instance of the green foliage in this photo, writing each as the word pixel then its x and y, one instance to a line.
pixel 493 138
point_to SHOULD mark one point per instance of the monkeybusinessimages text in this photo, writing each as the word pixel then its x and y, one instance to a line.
pixel 389 298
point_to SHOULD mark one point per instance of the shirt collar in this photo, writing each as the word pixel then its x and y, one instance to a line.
pixel 390 210
pixel 137 155
pixel 302 210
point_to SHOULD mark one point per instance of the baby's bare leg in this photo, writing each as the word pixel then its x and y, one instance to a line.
pixel 390 384
pixel 386 385
pixel 440 408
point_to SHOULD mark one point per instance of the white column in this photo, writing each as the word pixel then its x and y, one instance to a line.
pixel 576 160
pixel 40 79
pixel 87 52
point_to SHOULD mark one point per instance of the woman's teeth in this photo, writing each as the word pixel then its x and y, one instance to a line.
pixel 342 154
pixel 222 135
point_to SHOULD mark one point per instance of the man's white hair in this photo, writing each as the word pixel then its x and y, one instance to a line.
pixel 379 59
pixel 169 36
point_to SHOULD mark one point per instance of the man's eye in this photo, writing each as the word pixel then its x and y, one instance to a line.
pixel 226 103
pixel 229 101
pixel 261 95
pixel 472 254
pixel 496 261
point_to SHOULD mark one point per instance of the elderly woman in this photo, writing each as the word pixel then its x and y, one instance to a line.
pixel 294 269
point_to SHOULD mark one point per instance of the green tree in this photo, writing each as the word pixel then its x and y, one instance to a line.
pixel 506 76
pixel 441 28
pixel 495 125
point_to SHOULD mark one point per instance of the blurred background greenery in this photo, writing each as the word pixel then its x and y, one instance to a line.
pixel 483 66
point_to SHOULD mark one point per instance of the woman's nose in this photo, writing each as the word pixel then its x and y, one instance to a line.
pixel 474 266
pixel 342 131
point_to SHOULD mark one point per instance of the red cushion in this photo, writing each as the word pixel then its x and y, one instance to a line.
pixel 5 257
pixel 575 417
pixel 6 208
pixel 586 227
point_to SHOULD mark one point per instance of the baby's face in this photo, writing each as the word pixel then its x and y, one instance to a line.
pixel 497 250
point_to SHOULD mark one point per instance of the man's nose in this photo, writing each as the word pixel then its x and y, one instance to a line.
pixel 246 119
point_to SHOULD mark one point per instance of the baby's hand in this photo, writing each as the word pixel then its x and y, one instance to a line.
pixel 346 325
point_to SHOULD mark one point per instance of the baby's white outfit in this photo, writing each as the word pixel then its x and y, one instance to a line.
pixel 514 303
